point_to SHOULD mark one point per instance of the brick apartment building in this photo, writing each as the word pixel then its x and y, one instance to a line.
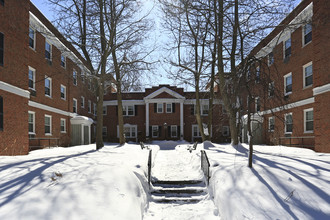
pixel 46 95
pixel 163 113
pixel 296 57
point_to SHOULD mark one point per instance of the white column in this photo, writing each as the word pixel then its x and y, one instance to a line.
pixel 181 120
pixel 147 119
pixel 89 135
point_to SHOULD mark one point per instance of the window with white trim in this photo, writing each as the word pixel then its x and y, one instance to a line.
pixel 128 110
pixel 308 74
pixel 82 75
pixel 105 110
pixel 270 58
pixel 258 74
pixel 257 104
pixel 309 120
pixel 160 107
pixel 155 131
pixel 271 124
pixel 48 125
pixel 195 131
pixel 205 109
pixel 32 38
pixel 82 102
pixel 168 107
pixel 307 33
pixel 225 131
pixel 174 131
pixel 129 131
pixel 63 61
pixel 95 109
pixel 74 105
pixel 48 86
pixel 63 92
pixel 48 50
pixel 288 123
pixel 288 84
pixel 287 48
pixel 89 106
pixel 32 78
pixel 74 76
pixel 271 89
pixel 32 122
pixel 63 125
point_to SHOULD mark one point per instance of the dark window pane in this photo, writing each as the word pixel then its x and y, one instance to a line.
pixel 1 48
pixel 309 80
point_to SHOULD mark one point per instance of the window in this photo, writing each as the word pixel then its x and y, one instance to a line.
pixel 258 74
pixel 271 124
pixel 128 110
pixel 257 104
pixel 205 109
pixel 105 110
pixel 270 58
pixel 287 48
pixel 155 131
pixel 74 106
pixel 32 38
pixel 95 109
pixel 89 106
pixel 104 131
pixel 160 107
pixel 271 89
pixel 288 84
pixel 48 86
pixel 2 45
pixel 195 131
pixel 48 125
pixel 63 92
pixel 308 74
pixel 174 131
pixel 82 75
pixel 63 61
pixel 82 102
pixel 48 51
pixel 2 2
pixel 63 125
pixel 74 77
pixel 225 131
pixel 31 122
pixel 1 113
pixel 307 33
pixel 308 120
pixel 168 107
pixel 129 131
pixel 32 78
pixel 288 123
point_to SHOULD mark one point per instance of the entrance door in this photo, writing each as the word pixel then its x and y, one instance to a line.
pixel 76 134
pixel 86 134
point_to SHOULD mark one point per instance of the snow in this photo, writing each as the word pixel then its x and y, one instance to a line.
pixel 111 183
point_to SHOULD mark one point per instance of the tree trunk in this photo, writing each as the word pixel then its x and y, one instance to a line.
pixel 99 125
pixel 198 114
pixel 250 136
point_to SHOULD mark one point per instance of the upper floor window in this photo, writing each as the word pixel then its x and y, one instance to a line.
pixel 271 89
pixel 105 110
pixel 287 48
pixel 74 106
pixel 89 106
pixel 288 123
pixel 82 102
pixel 1 113
pixel 307 33
pixel 205 109
pixel 258 74
pixel 1 48
pixel 74 75
pixel 270 58
pixel 32 38
pixel 160 107
pixel 308 74
pixel 63 92
pixel 63 61
pixel 128 110
pixel 168 107
pixel 48 50
pixel 32 78
pixel 288 84
pixel 82 75
pixel 271 124
pixel 48 86
pixel 89 84
pixel 308 120
pixel 95 109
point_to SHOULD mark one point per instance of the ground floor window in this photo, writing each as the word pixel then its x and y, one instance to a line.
pixel 195 131
pixel 288 123
pixel 104 131
pixel 63 125
pixel 174 131
pixel 155 131
pixel 31 122
pixel 308 120
pixel 225 130
pixel 271 124
pixel 129 131
pixel 48 125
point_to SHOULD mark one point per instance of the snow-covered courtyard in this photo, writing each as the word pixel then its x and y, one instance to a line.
pixel 82 183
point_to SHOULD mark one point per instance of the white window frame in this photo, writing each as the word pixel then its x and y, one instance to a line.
pixel 89 106
pixel 258 71
pixel 130 128
pixel 304 74
pixel 63 120
pixel 305 111
pixel 82 75
pixel 175 127
pixel 62 56
pixel 125 110
pixel 75 77
pixel 94 109
pixel 271 87
pixel 225 131
pixel 105 110
pixel 269 124
pixel 34 78
pixel 270 61
pixel 82 102
pixel 51 50
pixel 198 131
pixel 64 87
pixel 202 109
pixel 285 77
pixel 152 130
pixel 256 100
pixel 50 125
pixel 304 34
pixel 50 86
pixel 34 122
pixel 74 105
pixel 168 110
pixel 34 38
pixel 284 47
pixel 285 128
pixel 162 107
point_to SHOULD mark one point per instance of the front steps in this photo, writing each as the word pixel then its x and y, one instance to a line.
pixel 181 191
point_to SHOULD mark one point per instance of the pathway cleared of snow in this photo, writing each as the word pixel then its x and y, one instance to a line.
pixel 173 163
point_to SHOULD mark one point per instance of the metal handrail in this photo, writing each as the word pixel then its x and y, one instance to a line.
pixel 290 144
pixel 205 166
pixel 41 139
pixel 149 167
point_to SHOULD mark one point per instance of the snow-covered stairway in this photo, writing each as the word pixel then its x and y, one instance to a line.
pixel 185 191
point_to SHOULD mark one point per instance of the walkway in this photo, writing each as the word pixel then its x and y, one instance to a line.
pixel 178 192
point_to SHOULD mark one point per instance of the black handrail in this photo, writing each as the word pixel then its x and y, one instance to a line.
pixel 205 166
pixel 298 142
pixel 149 167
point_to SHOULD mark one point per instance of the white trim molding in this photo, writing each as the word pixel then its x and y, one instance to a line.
pixel 321 89
pixel 48 108
pixel 164 89
pixel 125 102
pixel 14 90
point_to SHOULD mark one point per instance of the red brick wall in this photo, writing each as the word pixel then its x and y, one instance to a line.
pixel 322 122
